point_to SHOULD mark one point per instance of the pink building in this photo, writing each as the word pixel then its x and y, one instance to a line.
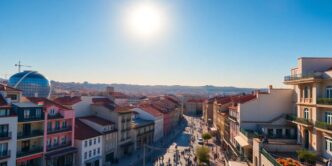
pixel 59 134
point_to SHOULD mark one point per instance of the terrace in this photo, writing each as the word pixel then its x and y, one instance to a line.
pixel 301 121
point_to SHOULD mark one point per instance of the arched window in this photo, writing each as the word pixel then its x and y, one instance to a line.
pixel 306 113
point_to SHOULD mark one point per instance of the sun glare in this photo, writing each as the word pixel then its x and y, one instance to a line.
pixel 145 20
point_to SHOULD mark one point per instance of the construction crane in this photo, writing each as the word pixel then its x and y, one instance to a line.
pixel 19 65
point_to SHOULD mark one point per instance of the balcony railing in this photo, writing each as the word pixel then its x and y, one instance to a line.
pixel 299 120
pixel 323 125
pixel 4 154
pixel 5 136
pixel 306 100
pixel 268 156
pixel 31 151
pixel 249 133
pixel 31 118
pixel 55 116
pixel 34 133
pixel 325 101
pixel 302 76
pixel 58 130
pixel 58 146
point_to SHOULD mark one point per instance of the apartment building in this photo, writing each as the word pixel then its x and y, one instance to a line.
pixel 220 118
pixel 143 131
pixel 89 144
pixel 8 128
pixel 311 80
pixel 208 107
pixel 148 112
pixel 109 136
pixel 58 145
pixel 30 133
pixel 194 107
pixel 121 116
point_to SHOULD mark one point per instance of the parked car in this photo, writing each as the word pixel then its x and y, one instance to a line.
pixel 200 141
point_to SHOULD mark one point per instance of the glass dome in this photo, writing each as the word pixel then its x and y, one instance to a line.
pixel 31 83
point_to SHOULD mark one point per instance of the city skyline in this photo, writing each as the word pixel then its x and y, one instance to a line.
pixel 219 43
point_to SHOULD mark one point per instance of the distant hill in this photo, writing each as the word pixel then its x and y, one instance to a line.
pixel 152 89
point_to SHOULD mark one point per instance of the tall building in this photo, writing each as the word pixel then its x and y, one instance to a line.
pixel 32 84
pixel 58 143
pixel 312 81
pixel 30 133
pixel 8 126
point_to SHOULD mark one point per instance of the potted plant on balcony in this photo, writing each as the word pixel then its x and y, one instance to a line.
pixel 306 156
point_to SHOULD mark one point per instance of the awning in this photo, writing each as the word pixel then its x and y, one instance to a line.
pixel 241 141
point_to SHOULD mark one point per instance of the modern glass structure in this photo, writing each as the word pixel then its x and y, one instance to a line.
pixel 31 83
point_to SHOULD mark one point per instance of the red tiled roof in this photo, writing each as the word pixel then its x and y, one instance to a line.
pixel 68 100
pixel 47 103
pixel 98 120
pixel 83 131
pixel 101 100
pixel 243 99
pixel 224 100
pixel 150 109
pixel 4 87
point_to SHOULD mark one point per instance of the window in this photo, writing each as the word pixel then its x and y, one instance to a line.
pixel 98 151
pixel 90 142
pixel 12 97
pixel 85 143
pixel 85 155
pixel 94 141
pixel 52 112
pixel 328 117
pixel 55 140
pixel 306 92
pixel 57 124
pixel 4 112
pixel 26 114
pixel 64 124
pixel 306 113
pixel 3 147
pixel 98 139
pixel 270 132
pixel 329 92
pixel 90 153
pixel 38 113
pixel 3 163
pixel 328 145
pixel 49 125
pixel 4 130
pixel 94 152
pixel 287 132
pixel 63 140
pixel 49 142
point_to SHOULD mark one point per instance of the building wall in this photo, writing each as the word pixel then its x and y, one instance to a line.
pixel 12 125
pixel 82 149
pixel 83 108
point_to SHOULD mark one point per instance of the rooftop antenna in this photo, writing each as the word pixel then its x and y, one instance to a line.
pixel 19 65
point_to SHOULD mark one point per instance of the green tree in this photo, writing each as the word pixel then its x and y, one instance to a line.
pixel 206 136
pixel 202 153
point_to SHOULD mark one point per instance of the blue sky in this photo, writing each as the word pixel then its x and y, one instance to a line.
pixel 216 42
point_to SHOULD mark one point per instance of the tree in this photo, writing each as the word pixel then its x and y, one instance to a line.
pixel 206 136
pixel 202 153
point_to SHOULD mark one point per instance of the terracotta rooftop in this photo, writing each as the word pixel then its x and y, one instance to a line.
pixel 98 120
pixel 243 98
pixel 83 131
pixel 68 100
pixel 46 102
pixel 150 109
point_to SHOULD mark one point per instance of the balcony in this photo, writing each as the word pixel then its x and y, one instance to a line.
pixel 268 156
pixel 300 121
pixel 32 118
pixel 34 133
pixel 55 116
pixel 28 152
pixel 324 101
pixel 305 100
pixel 309 77
pixel 58 146
pixel 5 136
pixel 4 154
pixel 59 130
pixel 323 126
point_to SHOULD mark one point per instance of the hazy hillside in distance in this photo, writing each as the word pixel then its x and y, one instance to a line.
pixel 151 89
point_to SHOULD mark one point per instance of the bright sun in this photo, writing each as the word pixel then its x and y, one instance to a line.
pixel 145 20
